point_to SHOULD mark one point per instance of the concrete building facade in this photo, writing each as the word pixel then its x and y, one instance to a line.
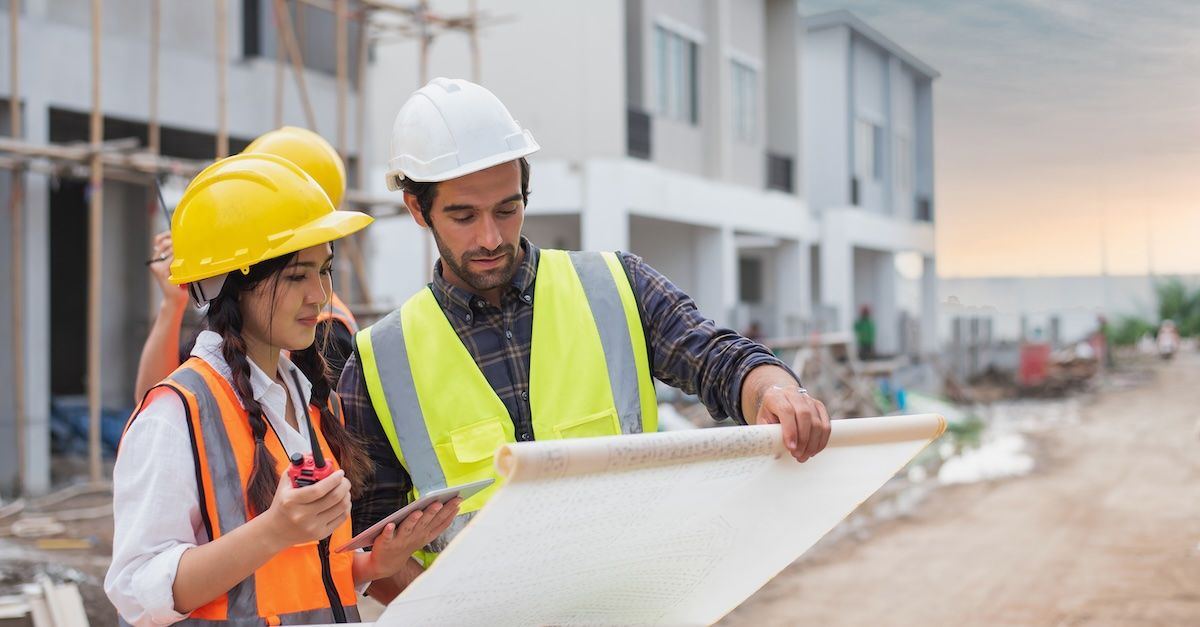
pixel 669 128
pixel 721 141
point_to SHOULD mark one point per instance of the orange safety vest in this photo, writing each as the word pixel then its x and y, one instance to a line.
pixel 301 584
pixel 339 311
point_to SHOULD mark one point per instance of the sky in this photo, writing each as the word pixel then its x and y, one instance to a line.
pixel 1067 132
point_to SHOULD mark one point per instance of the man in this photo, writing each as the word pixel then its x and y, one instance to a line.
pixel 511 342
pixel 864 333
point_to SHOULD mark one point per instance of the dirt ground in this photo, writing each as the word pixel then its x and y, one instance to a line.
pixel 1105 532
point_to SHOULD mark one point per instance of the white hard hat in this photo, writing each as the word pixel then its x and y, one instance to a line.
pixel 451 128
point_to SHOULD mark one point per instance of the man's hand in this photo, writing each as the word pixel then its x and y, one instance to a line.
pixel 770 396
pixel 162 255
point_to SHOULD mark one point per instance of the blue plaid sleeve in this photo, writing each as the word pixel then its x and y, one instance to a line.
pixel 689 351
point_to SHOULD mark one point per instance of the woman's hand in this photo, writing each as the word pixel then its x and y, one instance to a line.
pixel 396 544
pixel 309 513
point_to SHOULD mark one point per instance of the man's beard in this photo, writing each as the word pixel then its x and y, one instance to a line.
pixel 479 281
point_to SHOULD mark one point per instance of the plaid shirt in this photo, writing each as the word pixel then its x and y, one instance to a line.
pixel 688 351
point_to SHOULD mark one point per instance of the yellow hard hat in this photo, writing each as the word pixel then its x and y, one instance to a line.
pixel 249 208
pixel 309 151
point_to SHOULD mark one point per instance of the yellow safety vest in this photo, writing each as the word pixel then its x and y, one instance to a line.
pixel 589 375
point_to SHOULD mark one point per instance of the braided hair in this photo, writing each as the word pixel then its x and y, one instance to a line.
pixel 224 317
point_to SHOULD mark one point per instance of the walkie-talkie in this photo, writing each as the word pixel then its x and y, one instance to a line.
pixel 308 469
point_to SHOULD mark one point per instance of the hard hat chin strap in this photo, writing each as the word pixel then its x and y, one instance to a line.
pixel 205 290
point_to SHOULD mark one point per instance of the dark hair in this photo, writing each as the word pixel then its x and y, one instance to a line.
pixel 225 318
pixel 426 192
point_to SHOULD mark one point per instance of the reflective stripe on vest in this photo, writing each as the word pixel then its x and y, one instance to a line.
pixel 589 376
pixel 339 311
pixel 289 588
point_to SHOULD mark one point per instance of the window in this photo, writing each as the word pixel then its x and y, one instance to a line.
pixel 678 70
pixel 745 102
pixel 868 150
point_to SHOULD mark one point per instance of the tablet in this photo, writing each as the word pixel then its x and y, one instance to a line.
pixel 367 538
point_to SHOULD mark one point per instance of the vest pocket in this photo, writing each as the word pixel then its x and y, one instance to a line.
pixel 477 442
pixel 600 423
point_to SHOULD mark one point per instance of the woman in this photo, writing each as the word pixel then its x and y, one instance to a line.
pixel 162 354
pixel 209 527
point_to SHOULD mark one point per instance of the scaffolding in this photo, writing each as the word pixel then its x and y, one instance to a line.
pixel 124 160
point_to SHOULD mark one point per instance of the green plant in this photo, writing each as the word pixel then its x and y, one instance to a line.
pixel 1128 330
pixel 1178 303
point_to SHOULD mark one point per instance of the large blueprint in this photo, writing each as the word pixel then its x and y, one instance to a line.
pixel 665 528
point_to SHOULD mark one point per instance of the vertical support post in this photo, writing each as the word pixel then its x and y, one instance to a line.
pixel 340 39
pixel 341 72
pixel 473 31
pixel 222 68
pixel 154 139
pixel 17 223
pixel 287 34
pixel 278 64
pixel 95 250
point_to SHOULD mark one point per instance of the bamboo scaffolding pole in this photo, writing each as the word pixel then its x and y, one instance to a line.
pixel 360 116
pixel 340 139
pixel 278 66
pixel 96 252
pixel 154 132
pixel 153 140
pixel 287 33
pixel 360 113
pixel 422 19
pixel 17 224
pixel 473 32
pixel 222 113
pixel 340 43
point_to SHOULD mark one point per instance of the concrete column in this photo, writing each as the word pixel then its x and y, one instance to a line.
pixel 837 272
pixel 604 217
pixel 37 308
pixel 793 288
pixel 715 92
pixel 929 307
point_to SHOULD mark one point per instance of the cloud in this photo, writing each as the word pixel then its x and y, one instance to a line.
pixel 1053 108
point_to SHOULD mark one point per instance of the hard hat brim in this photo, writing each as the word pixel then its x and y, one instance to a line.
pixel 433 175
pixel 327 228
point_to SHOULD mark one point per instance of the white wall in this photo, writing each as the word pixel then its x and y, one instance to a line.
pixel 1075 300
pixel 826 131
pixel 747 44
pixel 904 124
pixel 558 67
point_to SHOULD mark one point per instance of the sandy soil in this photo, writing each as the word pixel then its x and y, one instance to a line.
pixel 1105 532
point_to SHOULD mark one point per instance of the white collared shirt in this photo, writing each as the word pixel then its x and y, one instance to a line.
pixel 156 507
